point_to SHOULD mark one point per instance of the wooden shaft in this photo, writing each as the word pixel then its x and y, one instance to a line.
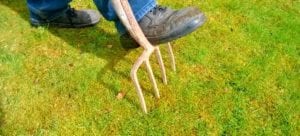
pixel 125 14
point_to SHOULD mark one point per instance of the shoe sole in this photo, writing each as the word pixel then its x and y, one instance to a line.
pixel 63 25
pixel 176 34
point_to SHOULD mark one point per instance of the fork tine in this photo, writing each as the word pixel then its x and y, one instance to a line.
pixel 171 55
pixel 134 78
pixel 139 92
pixel 151 76
pixel 161 65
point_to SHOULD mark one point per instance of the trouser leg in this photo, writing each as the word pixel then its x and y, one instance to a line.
pixel 139 8
pixel 47 9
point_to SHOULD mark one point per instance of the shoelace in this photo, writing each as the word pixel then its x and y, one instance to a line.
pixel 158 8
pixel 71 12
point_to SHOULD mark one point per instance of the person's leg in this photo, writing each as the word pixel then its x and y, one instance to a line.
pixel 139 7
pixel 58 13
pixel 47 9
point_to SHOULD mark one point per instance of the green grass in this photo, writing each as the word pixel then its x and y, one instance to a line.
pixel 237 75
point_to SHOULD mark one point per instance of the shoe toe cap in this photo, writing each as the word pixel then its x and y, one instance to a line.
pixel 93 15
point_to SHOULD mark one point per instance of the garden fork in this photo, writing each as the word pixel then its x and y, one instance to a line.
pixel 126 16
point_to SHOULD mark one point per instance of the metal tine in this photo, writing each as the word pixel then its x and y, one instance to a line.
pixel 161 65
pixel 171 55
pixel 151 76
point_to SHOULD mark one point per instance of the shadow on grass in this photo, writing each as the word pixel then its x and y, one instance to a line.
pixel 92 40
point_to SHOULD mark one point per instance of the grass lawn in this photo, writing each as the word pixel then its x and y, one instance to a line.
pixel 237 75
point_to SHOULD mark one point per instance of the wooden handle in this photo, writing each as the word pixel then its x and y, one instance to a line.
pixel 126 16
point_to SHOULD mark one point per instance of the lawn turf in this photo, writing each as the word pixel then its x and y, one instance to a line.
pixel 237 75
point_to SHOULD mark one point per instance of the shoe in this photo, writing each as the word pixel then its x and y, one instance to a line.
pixel 162 25
pixel 71 19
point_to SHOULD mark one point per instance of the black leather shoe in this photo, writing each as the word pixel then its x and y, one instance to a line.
pixel 71 19
pixel 162 25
